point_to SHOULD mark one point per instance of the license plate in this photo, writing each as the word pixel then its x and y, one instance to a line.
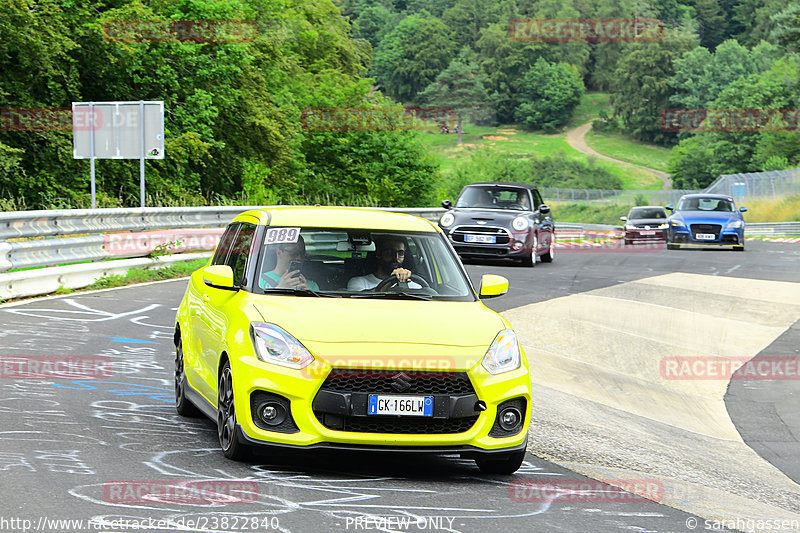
pixel 705 237
pixel 489 239
pixel 647 232
pixel 380 404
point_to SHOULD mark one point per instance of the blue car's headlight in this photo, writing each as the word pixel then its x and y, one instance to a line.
pixel 675 223
pixel 504 354
pixel 274 345
pixel 736 224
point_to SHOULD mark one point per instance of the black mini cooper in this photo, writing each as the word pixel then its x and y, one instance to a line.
pixel 500 220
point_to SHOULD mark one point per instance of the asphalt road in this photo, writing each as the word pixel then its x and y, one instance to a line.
pixel 94 449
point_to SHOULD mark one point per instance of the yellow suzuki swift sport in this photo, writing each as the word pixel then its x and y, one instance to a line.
pixel 318 327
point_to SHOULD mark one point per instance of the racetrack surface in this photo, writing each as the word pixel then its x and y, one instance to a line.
pixel 67 446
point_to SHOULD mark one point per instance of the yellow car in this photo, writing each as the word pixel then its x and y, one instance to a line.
pixel 318 327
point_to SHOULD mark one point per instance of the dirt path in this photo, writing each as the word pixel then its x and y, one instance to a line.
pixel 576 139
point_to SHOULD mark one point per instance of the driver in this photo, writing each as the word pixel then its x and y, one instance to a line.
pixel 391 252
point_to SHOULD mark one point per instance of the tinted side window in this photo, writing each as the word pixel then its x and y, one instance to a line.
pixel 240 252
pixel 225 244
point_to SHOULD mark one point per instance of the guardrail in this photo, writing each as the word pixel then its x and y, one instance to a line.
pixel 34 239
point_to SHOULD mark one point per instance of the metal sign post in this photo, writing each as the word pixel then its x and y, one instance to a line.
pixel 118 130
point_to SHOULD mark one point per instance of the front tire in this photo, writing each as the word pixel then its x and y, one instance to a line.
pixel 505 464
pixel 182 404
pixel 551 253
pixel 531 260
pixel 226 418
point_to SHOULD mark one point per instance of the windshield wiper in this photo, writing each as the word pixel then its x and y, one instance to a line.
pixel 301 292
pixel 392 295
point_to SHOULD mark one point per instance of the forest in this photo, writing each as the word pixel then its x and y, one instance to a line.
pixel 238 79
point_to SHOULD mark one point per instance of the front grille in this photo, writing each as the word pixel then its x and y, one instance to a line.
pixel 482 251
pixel 390 424
pixel 716 229
pixel 502 236
pixel 356 384
pixel 381 382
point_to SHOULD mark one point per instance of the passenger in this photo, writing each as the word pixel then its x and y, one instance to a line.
pixel 281 277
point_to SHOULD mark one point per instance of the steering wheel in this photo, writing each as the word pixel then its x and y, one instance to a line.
pixel 392 280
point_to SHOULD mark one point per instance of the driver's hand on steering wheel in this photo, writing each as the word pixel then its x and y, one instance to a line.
pixel 403 274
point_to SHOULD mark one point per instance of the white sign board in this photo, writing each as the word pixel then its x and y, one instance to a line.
pixel 118 130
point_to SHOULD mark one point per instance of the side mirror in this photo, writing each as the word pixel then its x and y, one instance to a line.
pixel 447 204
pixel 219 277
pixel 624 219
pixel 544 209
pixel 670 207
pixel 743 209
pixel 493 286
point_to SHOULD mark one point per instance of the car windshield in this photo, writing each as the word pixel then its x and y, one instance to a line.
pixel 647 212
pixel 706 204
pixel 494 197
pixel 351 263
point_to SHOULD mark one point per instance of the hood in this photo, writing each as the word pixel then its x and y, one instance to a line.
pixel 474 215
pixel 707 217
pixel 652 222
pixel 386 333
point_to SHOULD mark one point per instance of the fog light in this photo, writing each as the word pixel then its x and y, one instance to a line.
pixel 517 245
pixel 272 413
pixel 509 418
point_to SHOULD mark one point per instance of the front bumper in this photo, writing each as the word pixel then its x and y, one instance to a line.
pixel 643 235
pixel 684 237
pixel 314 416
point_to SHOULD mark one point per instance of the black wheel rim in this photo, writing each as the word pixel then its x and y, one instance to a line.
pixel 179 392
pixel 226 414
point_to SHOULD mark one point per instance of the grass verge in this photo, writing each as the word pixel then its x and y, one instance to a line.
pixel 142 275
pixel 623 148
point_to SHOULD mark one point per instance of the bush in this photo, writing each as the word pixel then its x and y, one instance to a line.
pixel 550 171
pixel 550 93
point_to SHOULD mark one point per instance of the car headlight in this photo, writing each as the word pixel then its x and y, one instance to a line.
pixel 663 226
pixel 520 223
pixel 677 223
pixel 447 220
pixel 630 226
pixel 736 224
pixel 503 355
pixel 274 345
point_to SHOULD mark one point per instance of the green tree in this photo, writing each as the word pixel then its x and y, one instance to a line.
pixel 641 87
pixel 713 23
pixel 504 63
pixel 754 17
pixel 786 30
pixel 691 163
pixel 460 87
pixel 372 24
pixel 467 18
pixel 410 57
pixel 732 151
pixel 550 92
pixel 700 76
